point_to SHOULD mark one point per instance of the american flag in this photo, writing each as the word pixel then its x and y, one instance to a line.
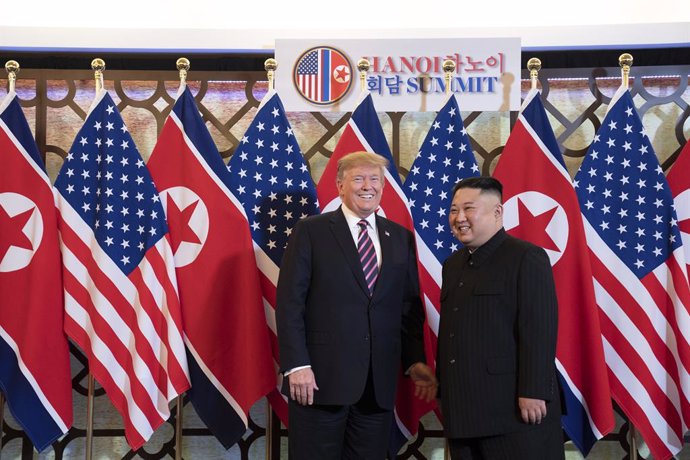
pixel 121 298
pixel 34 356
pixel 228 346
pixel 679 180
pixel 308 76
pixel 639 278
pixel 444 158
pixel 540 206
pixel 271 179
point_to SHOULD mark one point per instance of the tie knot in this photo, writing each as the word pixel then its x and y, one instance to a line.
pixel 362 225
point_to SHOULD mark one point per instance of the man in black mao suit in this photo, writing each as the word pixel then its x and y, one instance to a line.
pixel 348 316
pixel 497 337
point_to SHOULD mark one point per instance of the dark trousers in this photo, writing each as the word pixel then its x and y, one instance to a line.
pixel 353 432
pixel 543 442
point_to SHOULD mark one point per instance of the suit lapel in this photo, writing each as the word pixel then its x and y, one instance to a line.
pixel 386 250
pixel 344 238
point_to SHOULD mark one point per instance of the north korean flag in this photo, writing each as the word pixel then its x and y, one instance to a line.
pixel 34 356
pixel 540 206
pixel 228 348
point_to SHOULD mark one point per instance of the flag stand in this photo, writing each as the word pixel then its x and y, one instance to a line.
pixel 98 66
pixel 12 67
pixel 633 442
pixel 178 427
pixel 625 60
pixel 88 455
pixel 2 418
pixel 269 432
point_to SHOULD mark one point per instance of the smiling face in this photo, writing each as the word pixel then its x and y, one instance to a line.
pixel 360 189
pixel 475 217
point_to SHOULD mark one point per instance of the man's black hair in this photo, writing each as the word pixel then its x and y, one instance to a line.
pixel 484 183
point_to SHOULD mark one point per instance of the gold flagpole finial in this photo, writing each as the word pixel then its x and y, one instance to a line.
pixel 270 65
pixel 448 70
pixel 183 67
pixel 363 67
pixel 625 60
pixel 534 66
pixel 12 68
pixel 98 66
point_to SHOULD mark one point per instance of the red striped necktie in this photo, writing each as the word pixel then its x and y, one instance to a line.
pixel 367 255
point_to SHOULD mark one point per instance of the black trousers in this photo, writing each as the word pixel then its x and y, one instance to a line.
pixel 353 432
pixel 542 442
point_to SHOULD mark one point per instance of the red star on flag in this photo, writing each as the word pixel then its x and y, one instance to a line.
pixel 12 227
pixel 533 228
pixel 180 219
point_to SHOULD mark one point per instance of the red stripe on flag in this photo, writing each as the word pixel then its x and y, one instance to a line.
pixel 121 305
pixel 101 374
pixel 638 417
pixel 636 313
pixel 107 335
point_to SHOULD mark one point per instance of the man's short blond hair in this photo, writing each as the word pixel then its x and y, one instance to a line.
pixel 355 159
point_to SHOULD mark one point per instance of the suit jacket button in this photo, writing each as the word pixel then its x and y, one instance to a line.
pixel 452 361
pixel 451 335
pixel 461 284
pixel 366 337
pixel 455 308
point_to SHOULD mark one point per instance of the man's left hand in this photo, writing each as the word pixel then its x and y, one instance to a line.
pixel 424 381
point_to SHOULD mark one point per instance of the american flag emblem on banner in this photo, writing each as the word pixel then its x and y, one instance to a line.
pixel 323 75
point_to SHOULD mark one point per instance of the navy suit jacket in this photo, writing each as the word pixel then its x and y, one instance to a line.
pixel 326 318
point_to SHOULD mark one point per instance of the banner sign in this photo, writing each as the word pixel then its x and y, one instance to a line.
pixel 404 74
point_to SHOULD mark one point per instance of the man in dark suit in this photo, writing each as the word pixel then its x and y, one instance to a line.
pixel 497 337
pixel 348 316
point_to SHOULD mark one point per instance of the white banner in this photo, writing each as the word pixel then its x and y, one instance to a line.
pixel 404 75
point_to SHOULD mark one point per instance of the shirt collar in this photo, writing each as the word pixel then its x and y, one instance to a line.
pixel 483 252
pixel 352 218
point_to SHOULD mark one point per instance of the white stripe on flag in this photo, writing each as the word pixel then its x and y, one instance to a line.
pixel 632 284
pixel 102 353
pixel 211 173
pixel 578 395
pixel 4 335
pixel 432 315
pixel 121 329
pixel 30 161
pixel 427 258
pixel 641 398
pixel 216 383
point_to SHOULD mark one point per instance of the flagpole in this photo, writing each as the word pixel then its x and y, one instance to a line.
pixel 89 418
pixel 183 65
pixel 270 65
pixel 448 70
pixel 12 68
pixel 2 418
pixel 98 66
pixel 625 60
pixel 178 427
pixel 363 67
pixel 534 66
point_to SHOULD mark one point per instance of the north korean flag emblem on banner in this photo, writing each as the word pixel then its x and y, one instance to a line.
pixel 322 75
